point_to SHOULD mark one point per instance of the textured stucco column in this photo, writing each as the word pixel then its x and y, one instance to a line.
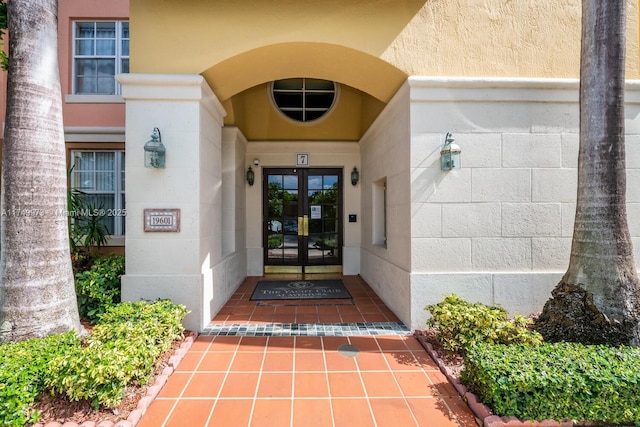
pixel 177 265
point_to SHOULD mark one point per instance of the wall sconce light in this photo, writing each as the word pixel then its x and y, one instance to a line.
pixel 355 176
pixel 154 151
pixel 450 154
pixel 251 176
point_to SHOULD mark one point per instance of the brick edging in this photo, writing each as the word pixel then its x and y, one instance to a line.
pixel 134 416
pixel 482 412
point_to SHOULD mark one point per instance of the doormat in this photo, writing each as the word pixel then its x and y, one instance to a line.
pixel 304 302
pixel 299 289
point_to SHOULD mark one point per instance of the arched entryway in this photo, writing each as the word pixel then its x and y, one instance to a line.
pixel 273 143
pixel 217 125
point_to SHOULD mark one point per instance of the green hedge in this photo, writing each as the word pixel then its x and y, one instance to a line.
pixel 23 369
pixel 462 325
pixel 98 288
pixel 557 381
pixel 123 349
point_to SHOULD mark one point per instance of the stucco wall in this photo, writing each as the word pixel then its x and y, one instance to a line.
pixel 499 229
pixel 498 38
pixel 418 37
pixel 234 146
pixel 187 266
pixel 385 156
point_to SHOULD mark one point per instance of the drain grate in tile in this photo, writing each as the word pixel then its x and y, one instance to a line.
pixel 348 350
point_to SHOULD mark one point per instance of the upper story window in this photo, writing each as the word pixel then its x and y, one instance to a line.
pixel 100 52
pixel 303 99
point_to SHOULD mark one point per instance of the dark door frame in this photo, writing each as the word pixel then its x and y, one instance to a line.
pixel 297 221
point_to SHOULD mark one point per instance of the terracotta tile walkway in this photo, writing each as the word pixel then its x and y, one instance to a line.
pixel 288 377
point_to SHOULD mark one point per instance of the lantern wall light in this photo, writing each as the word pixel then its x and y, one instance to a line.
pixel 154 151
pixel 355 176
pixel 450 154
pixel 251 176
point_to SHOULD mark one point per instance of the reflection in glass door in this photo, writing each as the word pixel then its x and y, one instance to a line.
pixel 302 220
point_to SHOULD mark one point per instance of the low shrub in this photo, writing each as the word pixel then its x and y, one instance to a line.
pixel 122 349
pixel 23 369
pixel 161 321
pixel 99 287
pixel 275 241
pixel 462 325
pixel 557 381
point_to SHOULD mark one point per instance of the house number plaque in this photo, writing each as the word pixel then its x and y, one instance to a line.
pixel 162 220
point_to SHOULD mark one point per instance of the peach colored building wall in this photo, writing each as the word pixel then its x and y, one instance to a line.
pixel 103 114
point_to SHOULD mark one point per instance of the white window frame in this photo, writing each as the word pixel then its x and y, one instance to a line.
pixel 118 211
pixel 379 213
pixel 118 57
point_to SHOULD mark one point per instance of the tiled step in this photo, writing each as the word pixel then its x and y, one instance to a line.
pixel 307 329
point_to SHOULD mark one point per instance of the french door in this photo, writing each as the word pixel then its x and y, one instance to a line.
pixel 302 220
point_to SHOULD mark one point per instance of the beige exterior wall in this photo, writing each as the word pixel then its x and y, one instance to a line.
pixel 369 48
pixel 385 159
pixel 499 229
pixel 496 231
pixel 442 38
pixel 497 38
pixel 190 266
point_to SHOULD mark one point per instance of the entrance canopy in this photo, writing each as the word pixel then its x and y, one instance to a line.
pixel 242 84
pixel 240 47
pixel 348 66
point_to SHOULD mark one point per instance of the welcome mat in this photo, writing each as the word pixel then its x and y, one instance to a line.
pixel 299 289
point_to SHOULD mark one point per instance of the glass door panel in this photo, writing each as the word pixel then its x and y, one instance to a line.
pixel 303 217
pixel 323 246
pixel 281 218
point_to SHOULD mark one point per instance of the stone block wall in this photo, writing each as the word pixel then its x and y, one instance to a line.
pixel 499 229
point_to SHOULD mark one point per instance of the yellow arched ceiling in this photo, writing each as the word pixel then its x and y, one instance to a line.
pixel 366 84
pixel 320 60
pixel 252 111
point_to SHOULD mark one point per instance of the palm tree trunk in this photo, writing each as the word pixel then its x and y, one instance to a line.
pixel 37 295
pixel 601 274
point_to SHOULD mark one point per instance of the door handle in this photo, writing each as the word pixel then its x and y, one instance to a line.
pixel 300 226
pixel 305 222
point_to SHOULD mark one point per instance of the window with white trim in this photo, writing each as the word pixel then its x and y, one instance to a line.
pixel 100 52
pixel 99 175
pixel 379 214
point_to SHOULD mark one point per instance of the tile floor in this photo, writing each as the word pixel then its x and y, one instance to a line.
pixel 286 378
